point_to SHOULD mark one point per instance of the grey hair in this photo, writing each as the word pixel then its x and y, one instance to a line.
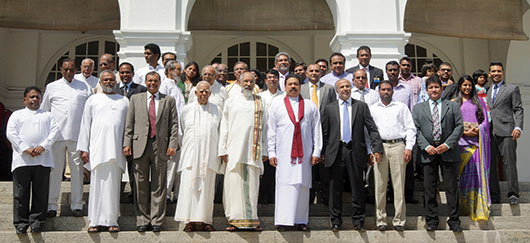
pixel 241 76
pixel 104 72
pixel 170 65
pixel 89 60
pixel 203 82
pixel 282 53
pixel 210 66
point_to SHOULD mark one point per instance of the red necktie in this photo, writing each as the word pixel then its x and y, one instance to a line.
pixel 366 84
pixel 152 117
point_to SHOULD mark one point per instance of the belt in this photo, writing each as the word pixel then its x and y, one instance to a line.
pixel 398 140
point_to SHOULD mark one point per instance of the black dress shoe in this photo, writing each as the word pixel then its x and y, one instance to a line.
pixel 77 213
pixel 399 228
pixel 303 227
pixel 36 230
pixel 359 227
pixel 51 214
pixel 514 200
pixel 381 227
pixel 456 228
pixel 431 227
pixel 157 228
pixel 142 228
pixel 21 229
pixel 335 227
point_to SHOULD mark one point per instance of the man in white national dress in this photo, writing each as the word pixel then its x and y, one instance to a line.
pixel 294 141
pixel 242 148
pixel 199 161
pixel 100 143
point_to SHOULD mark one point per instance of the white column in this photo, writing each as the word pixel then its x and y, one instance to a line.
pixel 375 23
pixel 156 21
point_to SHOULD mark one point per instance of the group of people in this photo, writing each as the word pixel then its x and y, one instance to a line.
pixel 189 136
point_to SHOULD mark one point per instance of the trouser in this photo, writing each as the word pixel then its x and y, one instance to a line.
pixel 392 159
pixel 150 195
pixel 267 182
pixel 430 182
pixel 219 182
pixel 505 147
pixel 60 150
pixel 30 181
pixel 342 166
pixel 320 183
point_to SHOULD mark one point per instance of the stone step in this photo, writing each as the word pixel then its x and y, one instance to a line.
pixel 128 223
pixel 315 236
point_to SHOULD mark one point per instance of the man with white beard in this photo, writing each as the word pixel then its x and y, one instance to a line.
pixel 100 142
pixel 199 161
pixel 218 93
pixel 234 88
pixel 242 147
pixel 294 142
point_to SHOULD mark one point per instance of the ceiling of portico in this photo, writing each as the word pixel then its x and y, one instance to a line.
pixel 259 15
pixel 60 14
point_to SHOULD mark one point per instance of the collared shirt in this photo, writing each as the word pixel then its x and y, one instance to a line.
pixel 413 82
pixel 394 121
pixel 332 78
pixel 311 91
pixel 281 80
pixel 91 80
pixel 370 95
pixel 367 70
pixel 66 101
pixel 341 111
pixel 268 97
pixel 157 101
pixel 403 93
pixel 139 76
pixel 29 129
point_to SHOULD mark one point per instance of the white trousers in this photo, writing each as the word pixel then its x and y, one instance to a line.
pixel 60 150
pixel 194 205
pixel 104 197
pixel 292 205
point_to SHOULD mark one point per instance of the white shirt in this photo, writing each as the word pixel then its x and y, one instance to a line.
pixel 268 98
pixel 370 96
pixel 66 102
pixel 157 101
pixel 102 129
pixel 394 121
pixel 311 91
pixel 139 75
pixel 29 129
pixel 281 80
pixel 218 95
pixel 91 80
pixel 341 111
pixel 169 87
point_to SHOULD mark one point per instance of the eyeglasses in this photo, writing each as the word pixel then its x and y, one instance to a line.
pixel 104 64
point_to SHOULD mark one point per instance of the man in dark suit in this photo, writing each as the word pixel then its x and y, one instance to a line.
pixel 439 126
pixel 127 88
pixel 344 150
pixel 321 94
pixel 151 130
pixel 507 117
pixel 364 55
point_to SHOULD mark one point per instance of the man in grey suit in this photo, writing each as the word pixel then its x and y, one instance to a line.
pixel 439 127
pixel 321 94
pixel 151 137
pixel 375 75
pixel 507 117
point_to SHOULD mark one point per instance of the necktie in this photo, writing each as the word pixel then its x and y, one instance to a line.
pixel 314 96
pixel 367 85
pixel 125 90
pixel 495 89
pixel 152 117
pixel 436 132
pixel 346 134
pixel 362 95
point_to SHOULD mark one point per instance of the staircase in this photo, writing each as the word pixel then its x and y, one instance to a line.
pixel 506 224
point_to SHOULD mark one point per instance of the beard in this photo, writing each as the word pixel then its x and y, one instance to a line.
pixel 107 89
pixel 246 92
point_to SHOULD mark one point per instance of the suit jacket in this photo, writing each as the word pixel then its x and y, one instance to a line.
pixel 450 92
pixel 451 124
pixel 507 111
pixel 133 89
pixel 327 94
pixel 360 119
pixel 137 125
pixel 374 72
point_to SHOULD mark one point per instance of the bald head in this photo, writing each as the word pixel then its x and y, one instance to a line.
pixel 106 62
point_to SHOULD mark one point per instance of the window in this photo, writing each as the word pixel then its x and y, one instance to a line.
pixel 419 56
pixel 92 49
pixel 257 55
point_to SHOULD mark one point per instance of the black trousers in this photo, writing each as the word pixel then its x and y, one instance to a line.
pixel 430 182
pixel 267 184
pixel 320 182
pixel 34 181
pixel 505 147
pixel 342 166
